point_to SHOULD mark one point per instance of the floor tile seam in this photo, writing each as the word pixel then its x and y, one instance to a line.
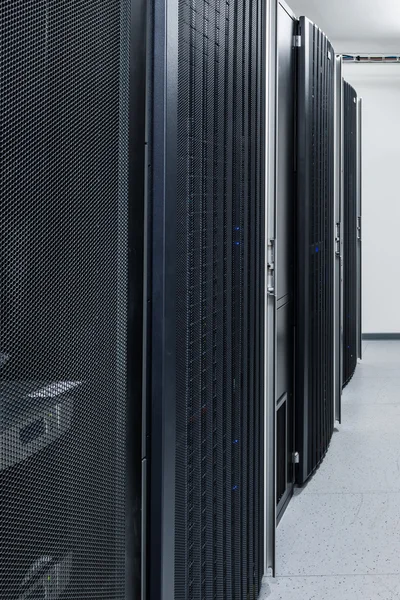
pixel 374 404
pixel 334 575
pixel 367 493
pixel 363 377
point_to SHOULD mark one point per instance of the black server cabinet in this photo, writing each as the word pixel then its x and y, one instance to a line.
pixel 206 301
pixel 71 270
pixel 350 280
pixel 285 256
pixel 315 249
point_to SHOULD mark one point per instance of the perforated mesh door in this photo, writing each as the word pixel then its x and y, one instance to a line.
pixel 350 233
pixel 219 487
pixel 63 295
pixel 315 230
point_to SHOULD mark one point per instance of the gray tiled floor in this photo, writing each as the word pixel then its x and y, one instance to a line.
pixel 340 536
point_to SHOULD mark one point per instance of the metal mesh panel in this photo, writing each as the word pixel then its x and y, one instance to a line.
pixel 63 294
pixel 350 233
pixel 219 485
pixel 315 349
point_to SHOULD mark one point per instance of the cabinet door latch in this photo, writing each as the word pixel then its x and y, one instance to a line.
pixel 271 268
pixel 297 41
pixel 337 239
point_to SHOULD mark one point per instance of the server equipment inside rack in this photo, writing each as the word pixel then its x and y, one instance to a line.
pixel 206 345
pixel 71 264
pixel 315 249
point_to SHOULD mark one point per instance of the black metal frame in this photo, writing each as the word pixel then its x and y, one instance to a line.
pixel 205 301
pixel 136 240
pixel 315 249
pixel 159 396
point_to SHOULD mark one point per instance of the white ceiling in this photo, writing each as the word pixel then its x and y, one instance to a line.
pixel 355 25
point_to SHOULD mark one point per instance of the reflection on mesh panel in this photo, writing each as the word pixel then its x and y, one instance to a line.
pixel 63 286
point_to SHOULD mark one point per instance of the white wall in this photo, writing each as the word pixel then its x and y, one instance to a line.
pixel 355 25
pixel 379 86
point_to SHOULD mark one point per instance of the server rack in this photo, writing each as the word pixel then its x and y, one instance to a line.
pixel 72 111
pixel 339 223
pixel 359 226
pixel 270 336
pixel 205 527
pixel 315 249
pixel 283 261
pixel 351 284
